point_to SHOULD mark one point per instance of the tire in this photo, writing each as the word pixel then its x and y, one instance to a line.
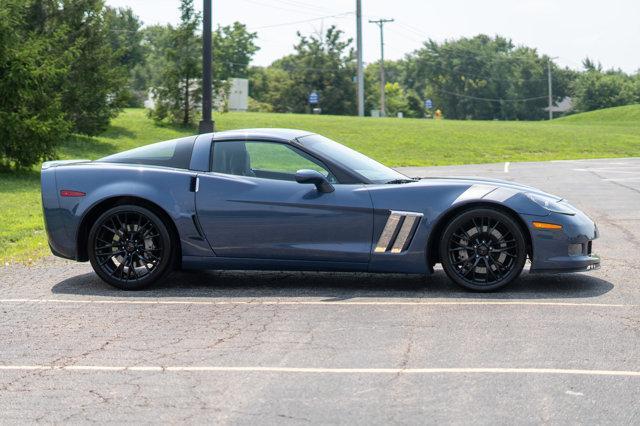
pixel 483 249
pixel 130 247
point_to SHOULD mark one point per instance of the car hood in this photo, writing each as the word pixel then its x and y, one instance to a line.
pixel 488 182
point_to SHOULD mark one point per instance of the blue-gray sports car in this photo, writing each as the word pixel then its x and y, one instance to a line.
pixel 277 199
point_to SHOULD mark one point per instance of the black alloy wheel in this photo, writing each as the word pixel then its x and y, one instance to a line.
pixel 483 249
pixel 130 247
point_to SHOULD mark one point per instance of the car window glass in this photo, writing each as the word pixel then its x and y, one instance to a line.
pixel 263 159
pixel 173 153
pixel 350 159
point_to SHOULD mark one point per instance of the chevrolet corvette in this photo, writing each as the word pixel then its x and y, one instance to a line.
pixel 280 199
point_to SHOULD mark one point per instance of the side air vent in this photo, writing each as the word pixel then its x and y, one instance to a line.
pixel 398 232
pixel 194 184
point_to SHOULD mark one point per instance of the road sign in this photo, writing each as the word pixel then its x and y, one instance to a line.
pixel 314 98
pixel 428 104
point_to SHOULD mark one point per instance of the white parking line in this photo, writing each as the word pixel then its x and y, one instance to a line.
pixel 634 169
pixel 506 167
pixel 621 179
pixel 314 370
pixel 317 302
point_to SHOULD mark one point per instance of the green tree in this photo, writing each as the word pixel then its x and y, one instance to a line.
pixel 596 89
pixel 272 86
pixel 322 63
pixel 94 85
pixel 482 78
pixel 176 89
pixel 124 31
pixel 233 49
pixel 31 117
pixel 156 40
pixel 394 72
pixel 395 99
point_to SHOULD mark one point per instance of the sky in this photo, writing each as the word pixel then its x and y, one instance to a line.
pixel 606 31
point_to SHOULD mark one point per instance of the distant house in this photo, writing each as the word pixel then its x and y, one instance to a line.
pixel 237 98
pixel 562 107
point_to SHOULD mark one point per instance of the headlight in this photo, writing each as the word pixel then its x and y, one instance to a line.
pixel 552 204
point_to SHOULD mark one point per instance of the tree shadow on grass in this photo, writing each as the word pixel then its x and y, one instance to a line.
pixel 13 181
pixel 189 128
pixel 338 286
pixel 118 132
pixel 78 146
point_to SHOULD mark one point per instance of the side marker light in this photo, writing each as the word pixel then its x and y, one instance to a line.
pixel 71 193
pixel 545 225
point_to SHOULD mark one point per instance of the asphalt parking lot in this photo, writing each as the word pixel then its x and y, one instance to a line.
pixel 249 347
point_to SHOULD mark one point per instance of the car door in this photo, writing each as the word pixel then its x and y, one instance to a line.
pixel 250 206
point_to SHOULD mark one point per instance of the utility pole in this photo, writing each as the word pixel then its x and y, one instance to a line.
pixel 360 76
pixel 380 23
pixel 550 87
pixel 207 124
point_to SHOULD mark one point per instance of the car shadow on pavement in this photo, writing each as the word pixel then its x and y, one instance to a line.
pixel 338 286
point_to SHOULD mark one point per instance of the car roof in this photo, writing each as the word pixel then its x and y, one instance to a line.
pixel 260 134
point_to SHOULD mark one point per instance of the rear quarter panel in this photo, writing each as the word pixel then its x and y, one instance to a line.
pixel 168 188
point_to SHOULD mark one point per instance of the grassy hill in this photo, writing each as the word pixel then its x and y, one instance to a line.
pixel 625 115
pixel 408 142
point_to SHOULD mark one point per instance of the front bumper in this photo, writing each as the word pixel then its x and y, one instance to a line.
pixel 567 250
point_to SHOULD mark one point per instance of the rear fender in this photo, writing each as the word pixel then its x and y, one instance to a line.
pixel 166 188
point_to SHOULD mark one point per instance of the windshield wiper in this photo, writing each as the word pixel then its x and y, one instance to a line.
pixel 397 181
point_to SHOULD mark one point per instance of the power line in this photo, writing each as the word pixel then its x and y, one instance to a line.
pixel 304 5
pixel 284 24
pixel 408 37
pixel 287 9
pixel 477 98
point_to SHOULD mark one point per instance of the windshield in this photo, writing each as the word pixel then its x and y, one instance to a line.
pixel 352 160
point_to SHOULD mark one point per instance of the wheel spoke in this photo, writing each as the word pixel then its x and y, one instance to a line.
pixel 117 224
pixel 488 267
pixel 503 239
pixel 460 248
pixel 110 256
pixel 106 246
pixel 146 262
pixel 119 270
pixel 460 237
pixel 494 227
pixel 501 249
pixel 496 273
pixel 113 231
pixel 132 267
pixel 473 267
pixel 478 230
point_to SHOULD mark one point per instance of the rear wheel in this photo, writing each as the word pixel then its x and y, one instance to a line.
pixel 130 247
pixel 483 249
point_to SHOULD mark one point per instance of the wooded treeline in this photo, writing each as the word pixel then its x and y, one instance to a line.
pixel 69 66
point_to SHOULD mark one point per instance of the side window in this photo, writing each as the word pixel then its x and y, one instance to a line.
pixel 174 153
pixel 263 159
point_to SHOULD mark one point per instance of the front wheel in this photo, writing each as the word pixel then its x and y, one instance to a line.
pixel 130 247
pixel 483 249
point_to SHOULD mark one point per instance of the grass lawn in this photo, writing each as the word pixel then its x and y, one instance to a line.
pixel 408 142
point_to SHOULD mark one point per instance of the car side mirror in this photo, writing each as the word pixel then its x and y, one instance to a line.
pixel 316 178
